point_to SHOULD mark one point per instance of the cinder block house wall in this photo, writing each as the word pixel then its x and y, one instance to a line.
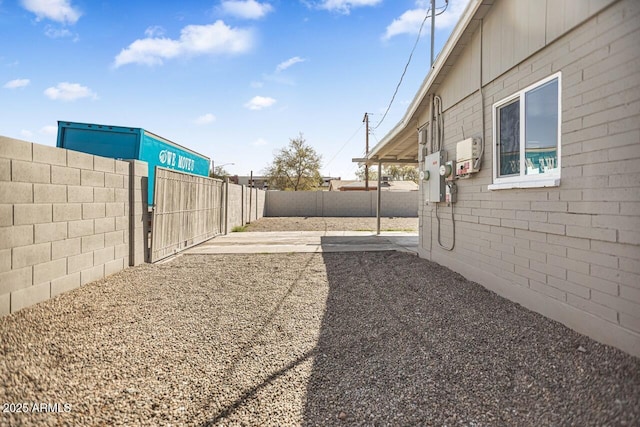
pixel 64 220
pixel 570 252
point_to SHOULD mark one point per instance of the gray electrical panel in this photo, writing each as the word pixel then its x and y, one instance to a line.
pixel 434 182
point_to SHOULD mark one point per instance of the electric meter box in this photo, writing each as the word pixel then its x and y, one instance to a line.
pixel 433 181
pixel 467 152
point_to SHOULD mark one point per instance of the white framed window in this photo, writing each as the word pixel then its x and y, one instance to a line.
pixel 526 137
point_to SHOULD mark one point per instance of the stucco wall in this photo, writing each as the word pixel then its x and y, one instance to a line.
pixel 65 220
pixel 570 252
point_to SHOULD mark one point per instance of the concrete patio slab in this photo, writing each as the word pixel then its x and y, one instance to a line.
pixel 307 241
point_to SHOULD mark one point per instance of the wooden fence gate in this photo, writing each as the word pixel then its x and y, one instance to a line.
pixel 187 211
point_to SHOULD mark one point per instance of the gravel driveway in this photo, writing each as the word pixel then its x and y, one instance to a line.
pixel 379 338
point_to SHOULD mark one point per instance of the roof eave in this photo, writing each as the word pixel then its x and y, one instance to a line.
pixel 466 19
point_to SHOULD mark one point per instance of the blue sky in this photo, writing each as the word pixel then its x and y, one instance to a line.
pixel 233 80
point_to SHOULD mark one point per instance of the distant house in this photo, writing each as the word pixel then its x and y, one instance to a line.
pixel 256 181
pixel 261 181
pixel 326 181
pixel 387 185
pixel 531 113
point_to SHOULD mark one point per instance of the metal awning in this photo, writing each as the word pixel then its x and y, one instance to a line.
pixel 379 186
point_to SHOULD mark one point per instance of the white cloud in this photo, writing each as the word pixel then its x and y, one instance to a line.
pixel 14 84
pixel 150 51
pixel 276 76
pixel 69 92
pixel 409 22
pixel 247 9
pixel 345 6
pixel 49 130
pixel 194 40
pixel 259 142
pixel 259 102
pixel 205 119
pixel 55 10
pixel 288 63
pixel 58 33
pixel 154 31
pixel 26 133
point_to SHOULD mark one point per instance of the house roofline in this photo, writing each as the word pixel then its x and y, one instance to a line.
pixel 457 33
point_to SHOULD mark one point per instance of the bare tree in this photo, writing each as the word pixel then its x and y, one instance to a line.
pixel 373 174
pixel 295 167
pixel 402 173
pixel 219 172
pixel 394 172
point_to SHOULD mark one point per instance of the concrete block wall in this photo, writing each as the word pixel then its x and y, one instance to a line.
pixel 341 203
pixel 570 252
pixel 291 203
pixel 139 215
pixel 260 201
pixel 235 208
pixel 398 203
pixel 254 204
pixel 245 204
pixel 64 221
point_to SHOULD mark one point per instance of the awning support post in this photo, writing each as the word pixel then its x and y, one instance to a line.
pixel 379 193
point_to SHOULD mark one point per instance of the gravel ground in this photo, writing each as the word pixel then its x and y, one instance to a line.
pixel 333 224
pixel 379 338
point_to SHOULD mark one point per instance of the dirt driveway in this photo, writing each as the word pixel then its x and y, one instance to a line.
pixel 364 338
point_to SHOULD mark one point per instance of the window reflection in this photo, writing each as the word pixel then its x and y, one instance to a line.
pixel 509 138
pixel 541 128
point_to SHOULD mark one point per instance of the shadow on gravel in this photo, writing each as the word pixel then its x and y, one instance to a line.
pixel 407 342
pixel 248 395
pixel 251 393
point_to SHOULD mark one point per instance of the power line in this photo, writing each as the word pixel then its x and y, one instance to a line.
pixel 409 61
pixel 375 137
pixel 343 146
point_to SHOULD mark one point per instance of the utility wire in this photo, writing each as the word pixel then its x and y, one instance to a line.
pixel 427 16
pixel 343 145
pixel 375 137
